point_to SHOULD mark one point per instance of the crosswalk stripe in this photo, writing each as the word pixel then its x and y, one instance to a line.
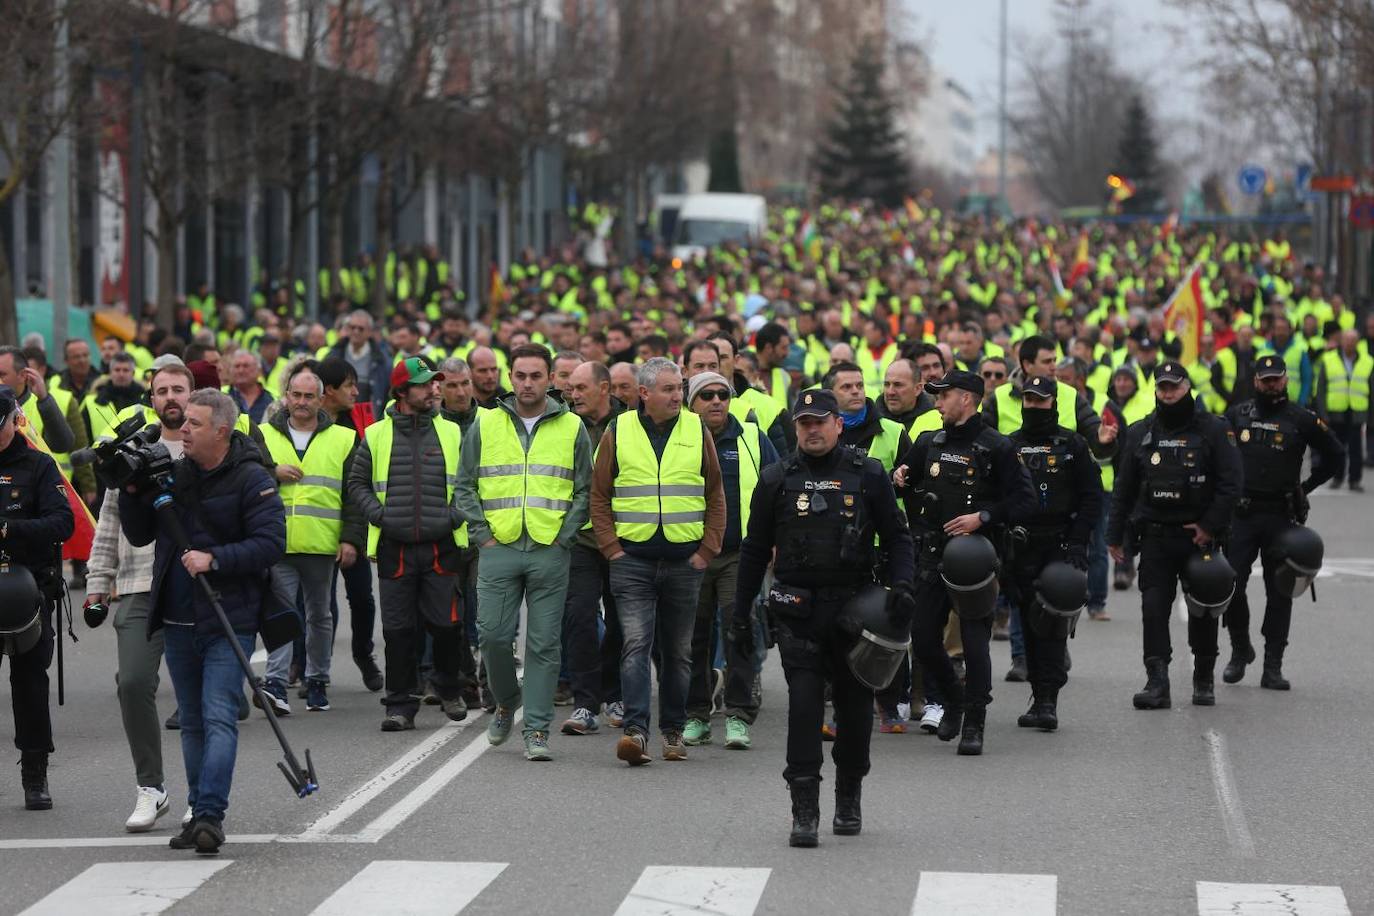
pixel 1215 899
pixel 127 888
pixel 408 888
pixel 672 890
pixel 943 893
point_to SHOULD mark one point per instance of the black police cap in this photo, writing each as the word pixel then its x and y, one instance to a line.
pixel 957 378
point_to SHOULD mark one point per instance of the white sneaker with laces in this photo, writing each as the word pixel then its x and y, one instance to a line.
pixel 152 804
pixel 931 717
pixel 615 714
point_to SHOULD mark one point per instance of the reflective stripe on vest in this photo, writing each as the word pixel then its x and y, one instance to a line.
pixel 523 490
pixel 379 437
pixel 1009 408
pixel 1346 391
pixel 314 504
pixel 649 493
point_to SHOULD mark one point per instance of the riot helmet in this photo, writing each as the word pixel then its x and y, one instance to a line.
pixel 969 569
pixel 1300 550
pixel 880 643
pixel 1208 583
pixel 1062 589
pixel 21 625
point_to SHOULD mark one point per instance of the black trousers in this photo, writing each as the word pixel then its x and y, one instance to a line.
pixel 29 691
pixel 717 598
pixel 1046 636
pixel 812 652
pixel 589 586
pixel 362 607
pixel 1351 434
pixel 1252 537
pixel 1162 558
pixel 928 644
pixel 415 597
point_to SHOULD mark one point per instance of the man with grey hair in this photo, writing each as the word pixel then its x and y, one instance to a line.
pixel 235 526
pixel 658 510
pixel 369 357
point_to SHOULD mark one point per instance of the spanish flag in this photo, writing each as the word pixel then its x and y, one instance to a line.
pixel 1184 314
pixel 1082 263
pixel 78 546
pixel 498 287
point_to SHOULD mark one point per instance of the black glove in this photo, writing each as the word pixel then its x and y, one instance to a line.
pixel 901 609
pixel 742 635
pixel 1076 555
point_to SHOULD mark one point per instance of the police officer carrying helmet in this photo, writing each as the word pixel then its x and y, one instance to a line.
pixel 1178 483
pixel 1050 564
pixel 820 509
pixel 1273 434
pixel 970 489
pixel 35 518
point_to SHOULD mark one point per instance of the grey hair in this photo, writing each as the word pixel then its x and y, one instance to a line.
pixel 35 339
pixel 647 375
pixel 235 311
pixel 223 411
pixel 454 364
pixel 361 314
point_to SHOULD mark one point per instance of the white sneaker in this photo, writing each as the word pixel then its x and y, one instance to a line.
pixel 186 818
pixel 152 804
pixel 615 714
pixel 931 717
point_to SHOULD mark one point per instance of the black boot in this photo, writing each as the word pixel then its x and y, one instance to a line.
pixel 971 741
pixel 1049 709
pixel 954 711
pixel 806 811
pixel 1204 693
pixel 1272 678
pixel 1156 692
pixel 33 773
pixel 1031 717
pixel 849 819
pixel 1242 654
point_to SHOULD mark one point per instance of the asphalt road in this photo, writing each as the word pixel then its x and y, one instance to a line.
pixel 1261 805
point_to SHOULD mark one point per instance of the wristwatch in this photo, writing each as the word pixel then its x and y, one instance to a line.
pixel 984 517
pixel 214 563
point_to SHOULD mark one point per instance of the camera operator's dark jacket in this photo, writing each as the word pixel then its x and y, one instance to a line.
pixel 235 513
pixel 35 510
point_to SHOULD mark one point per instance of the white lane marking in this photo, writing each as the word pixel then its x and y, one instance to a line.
pixel 394 816
pixel 672 890
pixel 1270 900
pixel 127 888
pixel 361 796
pixel 963 894
pixel 144 839
pixel 407 888
pixel 1228 798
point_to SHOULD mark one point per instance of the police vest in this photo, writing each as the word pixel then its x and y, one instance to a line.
pixel 379 437
pixel 1050 463
pixel 1271 448
pixel 1009 407
pixel 958 479
pixel 875 369
pixel 1177 471
pixel 314 504
pixel 526 490
pixel 1345 390
pixel 825 534
pixel 649 493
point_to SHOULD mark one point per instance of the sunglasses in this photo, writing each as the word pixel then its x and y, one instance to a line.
pixel 713 394
pixel 994 375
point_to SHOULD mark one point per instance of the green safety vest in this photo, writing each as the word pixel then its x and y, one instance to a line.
pixel 1009 408
pixel 883 448
pixel 314 504
pixel 242 424
pixel 379 437
pixel 1292 358
pixel 1108 472
pixel 529 490
pixel 63 399
pixel 1346 391
pixel 750 444
pixel 874 370
pixel 1201 377
pixel 101 416
pixel 781 382
pixel 649 493
pixel 926 422
pixel 765 409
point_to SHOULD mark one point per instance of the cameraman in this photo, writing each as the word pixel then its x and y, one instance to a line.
pixel 235 525
pixel 35 519
pixel 120 570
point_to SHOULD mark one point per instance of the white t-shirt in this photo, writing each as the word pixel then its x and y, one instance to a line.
pixel 174 448
pixel 529 424
pixel 299 438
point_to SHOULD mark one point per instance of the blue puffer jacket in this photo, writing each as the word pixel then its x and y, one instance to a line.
pixel 240 519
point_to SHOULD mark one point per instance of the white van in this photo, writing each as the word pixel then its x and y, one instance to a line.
pixel 707 220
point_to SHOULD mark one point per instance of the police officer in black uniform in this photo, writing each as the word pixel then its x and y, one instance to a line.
pixel 1068 502
pixel 1273 434
pixel 1178 483
pixel 966 478
pixel 820 509
pixel 35 519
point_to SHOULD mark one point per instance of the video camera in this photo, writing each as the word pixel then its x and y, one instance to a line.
pixel 135 456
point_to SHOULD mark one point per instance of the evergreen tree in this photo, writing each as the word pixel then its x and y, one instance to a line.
pixel 861 154
pixel 723 160
pixel 1137 159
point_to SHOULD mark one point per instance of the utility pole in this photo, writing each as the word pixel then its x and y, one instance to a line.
pixel 312 178
pixel 62 195
pixel 1002 113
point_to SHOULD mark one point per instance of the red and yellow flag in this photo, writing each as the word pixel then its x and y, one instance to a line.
pixel 1184 314
pixel 1082 263
pixel 78 546
pixel 498 286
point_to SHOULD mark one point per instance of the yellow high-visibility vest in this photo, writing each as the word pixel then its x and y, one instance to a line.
pixel 526 490
pixel 875 370
pixel 379 437
pixel 1346 390
pixel 314 504
pixel 1009 407
pixel 750 462
pixel 649 494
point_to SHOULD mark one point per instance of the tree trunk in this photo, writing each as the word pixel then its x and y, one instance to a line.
pixel 384 220
pixel 166 266
pixel 9 315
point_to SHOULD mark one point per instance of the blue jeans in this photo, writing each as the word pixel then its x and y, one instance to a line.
pixel 208 683
pixel 1097 558
pixel 655 597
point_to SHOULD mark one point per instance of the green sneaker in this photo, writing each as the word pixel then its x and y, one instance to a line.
pixel 537 746
pixel 501 721
pixel 737 734
pixel 696 732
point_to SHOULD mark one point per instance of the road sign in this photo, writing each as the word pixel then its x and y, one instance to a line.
pixel 1362 211
pixel 1302 180
pixel 1251 179
pixel 1331 184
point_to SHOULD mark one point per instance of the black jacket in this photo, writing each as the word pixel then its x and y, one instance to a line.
pixel 35 517
pixel 234 512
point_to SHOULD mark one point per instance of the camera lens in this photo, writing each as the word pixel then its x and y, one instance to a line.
pixel 95 614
